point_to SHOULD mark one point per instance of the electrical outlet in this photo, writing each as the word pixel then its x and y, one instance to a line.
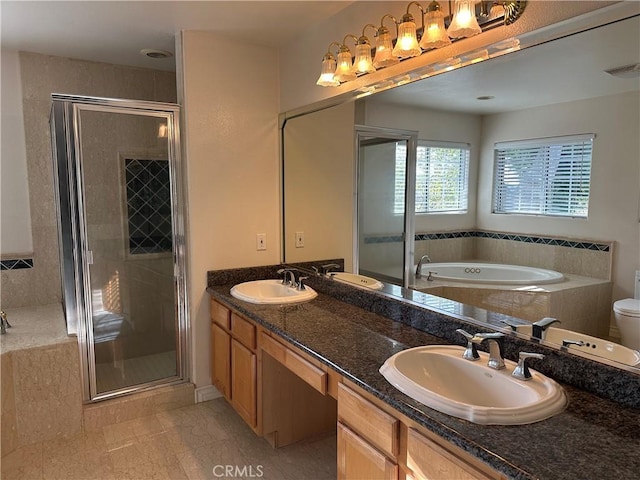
pixel 299 239
pixel 261 241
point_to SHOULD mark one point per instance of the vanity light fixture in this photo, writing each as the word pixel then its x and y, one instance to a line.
pixel 363 62
pixel 384 46
pixel 407 41
pixel 464 23
pixel 434 34
pixel 327 75
pixel 411 41
pixel 345 70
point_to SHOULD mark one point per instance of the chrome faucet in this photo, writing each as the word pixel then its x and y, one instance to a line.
pixel 471 352
pixel 329 267
pixel 539 327
pixel 288 277
pixel 521 372
pixel 4 323
pixel 419 266
pixel 495 349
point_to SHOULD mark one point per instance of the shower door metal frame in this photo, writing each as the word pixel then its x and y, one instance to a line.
pixel 411 137
pixel 74 248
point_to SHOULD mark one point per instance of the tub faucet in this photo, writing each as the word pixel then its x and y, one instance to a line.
pixel 4 323
pixel 419 266
pixel 539 327
pixel 495 348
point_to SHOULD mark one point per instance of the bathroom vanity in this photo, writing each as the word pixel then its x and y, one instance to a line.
pixel 319 360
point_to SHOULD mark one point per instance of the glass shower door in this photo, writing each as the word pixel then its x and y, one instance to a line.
pixel 124 160
pixel 386 165
pixel 121 237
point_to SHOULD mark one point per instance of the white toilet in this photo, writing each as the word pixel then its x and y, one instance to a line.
pixel 627 313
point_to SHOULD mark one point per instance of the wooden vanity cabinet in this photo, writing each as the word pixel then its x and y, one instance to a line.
pixel 286 395
pixel 234 361
pixel 368 439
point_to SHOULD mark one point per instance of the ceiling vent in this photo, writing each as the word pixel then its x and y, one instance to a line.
pixel 628 71
pixel 154 53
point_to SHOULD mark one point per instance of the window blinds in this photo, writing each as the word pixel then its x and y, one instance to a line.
pixel 442 177
pixel 543 177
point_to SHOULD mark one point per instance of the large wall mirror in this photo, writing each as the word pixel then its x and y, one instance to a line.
pixel 557 89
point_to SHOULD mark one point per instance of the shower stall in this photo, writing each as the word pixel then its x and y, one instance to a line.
pixel 386 171
pixel 120 207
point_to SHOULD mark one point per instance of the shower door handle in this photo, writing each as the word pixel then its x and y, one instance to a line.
pixel 90 257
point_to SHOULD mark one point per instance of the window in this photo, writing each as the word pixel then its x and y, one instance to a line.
pixel 442 177
pixel 543 177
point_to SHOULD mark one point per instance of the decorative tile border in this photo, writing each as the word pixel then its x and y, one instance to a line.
pixel 559 242
pixel 16 264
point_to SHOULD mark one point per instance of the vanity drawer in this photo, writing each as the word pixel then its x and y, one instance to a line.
pixel 244 331
pixel 378 427
pixel 220 314
pixel 304 369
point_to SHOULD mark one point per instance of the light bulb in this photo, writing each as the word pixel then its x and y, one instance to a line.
pixel 384 50
pixel 434 35
pixel 327 75
pixel 464 23
pixel 407 41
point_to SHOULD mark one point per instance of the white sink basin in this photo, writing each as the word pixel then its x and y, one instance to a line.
pixel 358 280
pixel 592 345
pixel 440 378
pixel 271 291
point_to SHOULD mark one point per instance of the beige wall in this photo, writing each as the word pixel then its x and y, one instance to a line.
pixel 15 215
pixel 319 178
pixel 230 107
pixel 41 76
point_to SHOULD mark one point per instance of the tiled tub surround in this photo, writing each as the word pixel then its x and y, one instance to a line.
pixel 353 331
pixel 582 257
pixel 41 395
pixel 582 304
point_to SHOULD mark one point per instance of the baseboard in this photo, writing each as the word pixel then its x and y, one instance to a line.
pixel 204 394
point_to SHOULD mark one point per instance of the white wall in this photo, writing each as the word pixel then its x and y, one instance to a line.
pixel 615 175
pixel 15 214
pixel 230 113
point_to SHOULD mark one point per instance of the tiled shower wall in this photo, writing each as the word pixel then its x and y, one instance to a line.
pixel 43 75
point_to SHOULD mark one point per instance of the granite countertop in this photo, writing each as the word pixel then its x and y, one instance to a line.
pixel 593 438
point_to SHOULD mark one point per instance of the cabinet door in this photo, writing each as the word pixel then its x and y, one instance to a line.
pixel 357 460
pixel 429 461
pixel 243 379
pixel 220 360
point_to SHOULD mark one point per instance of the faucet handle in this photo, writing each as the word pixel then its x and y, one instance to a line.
pixel 481 337
pixel 521 372
pixel 300 285
pixel 510 324
pixel 471 352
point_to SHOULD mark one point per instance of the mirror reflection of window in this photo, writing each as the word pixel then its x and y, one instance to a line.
pixel 549 177
pixel 442 177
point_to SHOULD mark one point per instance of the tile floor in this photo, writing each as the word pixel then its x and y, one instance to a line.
pixel 207 441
